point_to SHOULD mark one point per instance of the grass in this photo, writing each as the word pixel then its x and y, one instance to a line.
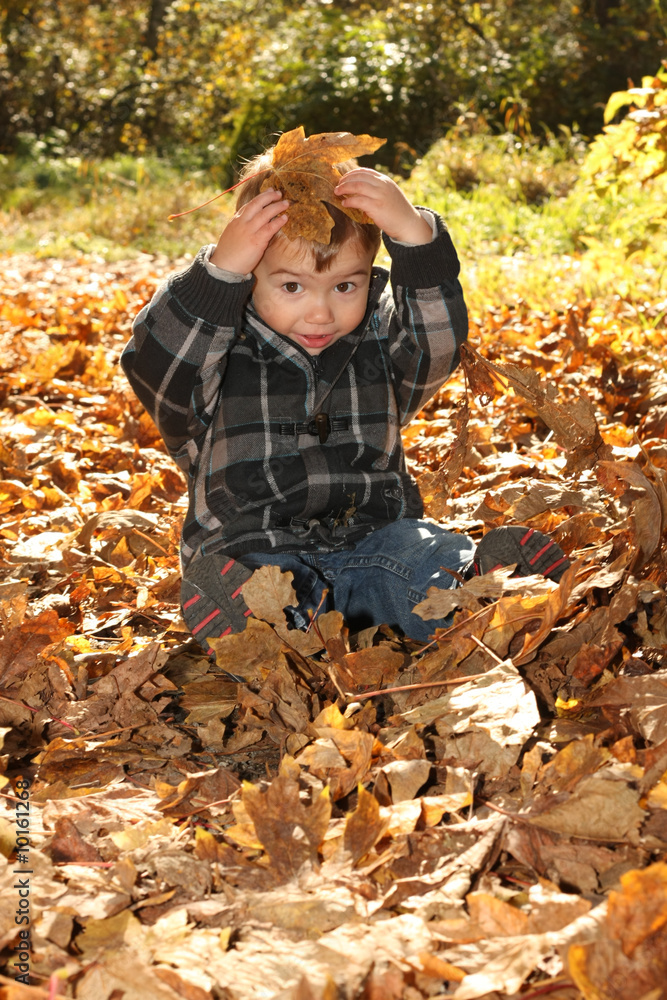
pixel 116 208
pixel 528 225
pixel 525 221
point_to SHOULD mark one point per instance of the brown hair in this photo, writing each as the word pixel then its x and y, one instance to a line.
pixel 345 229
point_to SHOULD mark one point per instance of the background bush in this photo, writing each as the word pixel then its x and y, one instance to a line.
pixel 209 81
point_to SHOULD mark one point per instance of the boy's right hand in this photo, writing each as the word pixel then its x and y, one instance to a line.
pixel 249 232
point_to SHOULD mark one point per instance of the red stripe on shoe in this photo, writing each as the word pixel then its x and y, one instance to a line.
pixel 531 531
pixel 494 568
pixel 226 568
pixel 193 600
pixel 237 591
pixel 213 614
pixel 554 566
pixel 246 613
pixel 226 632
pixel 541 552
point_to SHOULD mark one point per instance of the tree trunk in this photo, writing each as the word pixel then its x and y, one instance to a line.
pixel 156 17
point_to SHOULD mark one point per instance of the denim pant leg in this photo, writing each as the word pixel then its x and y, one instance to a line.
pixel 389 571
pixel 308 582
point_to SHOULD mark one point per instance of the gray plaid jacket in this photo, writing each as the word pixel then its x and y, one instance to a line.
pixel 282 450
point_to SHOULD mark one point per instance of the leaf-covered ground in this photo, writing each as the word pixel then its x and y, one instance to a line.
pixel 494 824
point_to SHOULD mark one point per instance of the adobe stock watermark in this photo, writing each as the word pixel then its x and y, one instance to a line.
pixel 22 870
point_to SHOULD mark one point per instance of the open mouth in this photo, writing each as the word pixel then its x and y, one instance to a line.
pixel 315 339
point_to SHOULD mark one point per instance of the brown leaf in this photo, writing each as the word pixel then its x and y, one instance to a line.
pixel 23 643
pixel 556 604
pixel 376 665
pixel 69 845
pixel 628 960
pixel 304 991
pixel 573 422
pixel 599 808
pixel 440 603
pixel 577 760
pixel 290 830
pixel 189 991
pixel 642 700
pixel 209 697
pixel 250 654
pixel 364 826
pixel 494 917
pixel 356 748
pixel 123 974
pixel 199 791
pixel 79 764
pixel 406 777
pixel 17 991
pixel 625 479
pixel 304 170
pixel 639 910
pixel 268 592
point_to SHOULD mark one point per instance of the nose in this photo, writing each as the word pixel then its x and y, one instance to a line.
pixel 319 311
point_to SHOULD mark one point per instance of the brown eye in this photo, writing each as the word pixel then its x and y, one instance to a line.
pixel 291 286
pixel 345 286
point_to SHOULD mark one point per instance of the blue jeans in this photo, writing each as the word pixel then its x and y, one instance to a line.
pixel 380 580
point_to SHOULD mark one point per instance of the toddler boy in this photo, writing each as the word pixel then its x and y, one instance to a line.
pixel 279 373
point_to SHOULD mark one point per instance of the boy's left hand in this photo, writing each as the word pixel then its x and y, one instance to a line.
pixel 381 198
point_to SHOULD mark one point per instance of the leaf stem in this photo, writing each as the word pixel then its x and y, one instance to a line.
pixel 179 215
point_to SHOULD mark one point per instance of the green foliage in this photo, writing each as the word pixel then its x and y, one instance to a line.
pixel 213 80
pixel 634 149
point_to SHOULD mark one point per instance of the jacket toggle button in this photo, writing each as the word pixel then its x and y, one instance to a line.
pixel 322 426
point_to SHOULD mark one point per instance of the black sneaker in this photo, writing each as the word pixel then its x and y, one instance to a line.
pixel 211 598
pixel 532 552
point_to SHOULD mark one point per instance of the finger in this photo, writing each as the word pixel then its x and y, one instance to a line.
pixel 361 172
pixel 356 184
pixel 273 225
pixel 270 211
pixel 263 200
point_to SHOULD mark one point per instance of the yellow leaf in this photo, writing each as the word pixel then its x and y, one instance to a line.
pixel 305 171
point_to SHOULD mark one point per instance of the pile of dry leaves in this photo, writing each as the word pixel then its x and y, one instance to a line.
pixel 360 816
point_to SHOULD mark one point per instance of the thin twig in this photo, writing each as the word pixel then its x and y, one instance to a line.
pixel 88 864
pixel 14 798
pixel 21 704
pixel 29 708
pixel 540 991
pixel 316 612
pixel 203 808
pixel 334 681
pixel 486 649
pixel 503 812
pixel 414 687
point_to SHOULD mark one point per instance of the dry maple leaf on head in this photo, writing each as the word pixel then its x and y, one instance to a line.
pixel 305 170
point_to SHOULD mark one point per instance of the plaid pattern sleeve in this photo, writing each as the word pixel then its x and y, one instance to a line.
pixel 429 321
pixel 176 358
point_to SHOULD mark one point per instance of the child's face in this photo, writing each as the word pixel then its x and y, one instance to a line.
pixel 314 309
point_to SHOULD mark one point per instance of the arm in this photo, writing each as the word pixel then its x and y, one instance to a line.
pixel 427 321
pixel 176 358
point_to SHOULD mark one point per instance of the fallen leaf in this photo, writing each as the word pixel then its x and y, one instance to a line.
pixel 289 830
pixel 304 169
pixel 364 826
